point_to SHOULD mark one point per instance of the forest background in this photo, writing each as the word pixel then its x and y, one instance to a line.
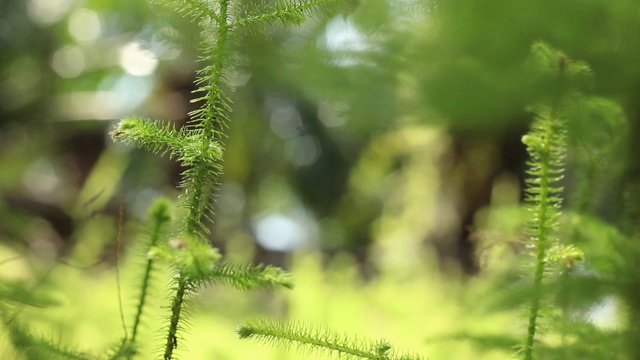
pixel 375 154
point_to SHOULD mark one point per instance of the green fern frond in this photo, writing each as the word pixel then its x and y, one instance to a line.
pixel 150 135
pixel 259 16
pixel 284 334
pixel 198 146
pixel 200 181
pixel 192 9
pixel 162 139
pixel 247 277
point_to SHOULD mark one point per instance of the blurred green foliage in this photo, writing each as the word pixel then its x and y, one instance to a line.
pixel 366 139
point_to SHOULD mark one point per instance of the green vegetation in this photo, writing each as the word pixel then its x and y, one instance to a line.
pixel 388 119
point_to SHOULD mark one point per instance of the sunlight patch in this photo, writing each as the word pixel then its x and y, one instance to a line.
pixel 137 61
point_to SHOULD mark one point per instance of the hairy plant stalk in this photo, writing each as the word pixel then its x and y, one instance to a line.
pixel 176 309
pixel 275 332
pixel 198 147
pixel 214 107
pixel 142 301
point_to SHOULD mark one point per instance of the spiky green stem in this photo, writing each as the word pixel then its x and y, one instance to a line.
pixel 214 103
pixel 545 147
pixel 176 310
pixel 159 214
pixel 142 301
pixel 540 239
pixel 276 332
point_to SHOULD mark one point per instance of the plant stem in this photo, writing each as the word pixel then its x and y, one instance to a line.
pixel 176 309
pixel 143 298
pixel 214 105
pixel 144 291
pixel 543 223
pixel 214 113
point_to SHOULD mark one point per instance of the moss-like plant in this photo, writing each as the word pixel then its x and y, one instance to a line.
pixel 546 145
pixel 199 148
pixel 283 334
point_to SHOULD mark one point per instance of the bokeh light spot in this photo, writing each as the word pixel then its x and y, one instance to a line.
pixel 47 12
pixel 279 232
pixel 137 61
pixel 286 122
pixel 303 150
pixel 84 25
pixel 68 61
